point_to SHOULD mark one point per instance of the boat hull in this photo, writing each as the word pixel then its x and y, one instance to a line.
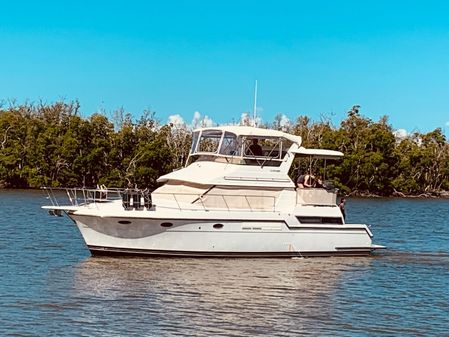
pixel 221 237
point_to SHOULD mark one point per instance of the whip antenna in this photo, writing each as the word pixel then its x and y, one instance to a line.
pixel 255 105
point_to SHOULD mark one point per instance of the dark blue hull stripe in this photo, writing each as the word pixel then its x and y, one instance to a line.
pixel 97 250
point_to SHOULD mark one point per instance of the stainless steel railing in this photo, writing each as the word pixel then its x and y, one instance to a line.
pixel 179 201
pixel 316 196
pixel 81 196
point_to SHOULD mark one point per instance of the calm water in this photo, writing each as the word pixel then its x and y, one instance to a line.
pixel 49 285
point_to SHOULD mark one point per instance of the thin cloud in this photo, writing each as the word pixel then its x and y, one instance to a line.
pixel 176 120
pixel 198 121
pixel 400 134
pixel 284 122
pixel 247 120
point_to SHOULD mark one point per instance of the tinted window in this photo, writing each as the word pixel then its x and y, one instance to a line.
pixel 319 220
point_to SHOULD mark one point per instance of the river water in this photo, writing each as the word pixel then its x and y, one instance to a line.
pixel 49 284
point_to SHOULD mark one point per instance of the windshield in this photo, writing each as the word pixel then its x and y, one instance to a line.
pixel 230 145
pixel 219 146
pixel 209 141
pixel 194 141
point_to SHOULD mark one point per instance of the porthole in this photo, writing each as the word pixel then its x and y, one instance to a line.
pixel 124 222
pixel 166 224
pixel 218 226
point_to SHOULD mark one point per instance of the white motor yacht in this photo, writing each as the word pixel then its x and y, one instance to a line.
pixel 234 198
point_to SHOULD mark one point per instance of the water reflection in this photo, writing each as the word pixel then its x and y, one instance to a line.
pixel 49 285
pixel 220 296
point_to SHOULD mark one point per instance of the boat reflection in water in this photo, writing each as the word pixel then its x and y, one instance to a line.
pixel 223 296
pixel 234 198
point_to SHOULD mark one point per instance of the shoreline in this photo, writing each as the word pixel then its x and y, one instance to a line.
pixel 399 195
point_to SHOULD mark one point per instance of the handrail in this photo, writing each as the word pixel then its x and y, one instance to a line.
pixel 83 196
pixel 316 196
pixel 209 201
pixel 204 193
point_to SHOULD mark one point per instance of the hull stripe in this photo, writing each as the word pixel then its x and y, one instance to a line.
pixel 111 251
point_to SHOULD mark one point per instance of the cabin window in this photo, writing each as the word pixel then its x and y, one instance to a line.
pixel 166 224
pixel 230 145
pixel 209 141
pixel 195 137
pixel 285 146
pixel 262 147
pixel 218 226
pixel 320 220
pixel 262 151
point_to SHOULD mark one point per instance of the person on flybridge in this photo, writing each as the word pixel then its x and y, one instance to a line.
pixel 305 181
pixel 255 148
pixel 308 180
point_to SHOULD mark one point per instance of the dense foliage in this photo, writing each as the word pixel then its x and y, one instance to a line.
pixel 52 145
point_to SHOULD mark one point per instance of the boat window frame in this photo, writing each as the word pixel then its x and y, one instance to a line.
pixel 240 158
pixel 238 146
pixel 194 145
pixel 200 137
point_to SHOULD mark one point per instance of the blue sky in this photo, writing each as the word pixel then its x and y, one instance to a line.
pixel 176 57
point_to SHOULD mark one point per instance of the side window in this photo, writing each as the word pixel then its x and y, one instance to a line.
pixel 253 147
pixel 209 141
pixel 230 146
pixel 285 146
pixel 263 147
pixel 194 141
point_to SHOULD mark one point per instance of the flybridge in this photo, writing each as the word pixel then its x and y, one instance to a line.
pixel 242 145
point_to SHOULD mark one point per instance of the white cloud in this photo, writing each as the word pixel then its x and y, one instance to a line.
pixel 246 120
pixel 207 122
pixel 176 120
pixel 198 121
pixel 400 134
pixel 284 122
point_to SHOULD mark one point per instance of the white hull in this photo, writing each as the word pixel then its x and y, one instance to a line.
pixel 241 235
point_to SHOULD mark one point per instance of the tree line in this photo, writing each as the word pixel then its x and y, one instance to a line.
pixel 52 145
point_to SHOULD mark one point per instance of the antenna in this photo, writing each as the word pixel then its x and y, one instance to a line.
pixel 255 105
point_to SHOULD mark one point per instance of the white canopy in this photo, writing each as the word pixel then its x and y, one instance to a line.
pixel 318 153
pixel 250 131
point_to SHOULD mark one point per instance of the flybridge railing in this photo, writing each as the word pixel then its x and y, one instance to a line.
pixel 142 199
pixel 213 201
pixel 316 196
pixel 136 199
pixel 81 196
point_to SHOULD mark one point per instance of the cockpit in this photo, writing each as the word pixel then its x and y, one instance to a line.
pixel 221 145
